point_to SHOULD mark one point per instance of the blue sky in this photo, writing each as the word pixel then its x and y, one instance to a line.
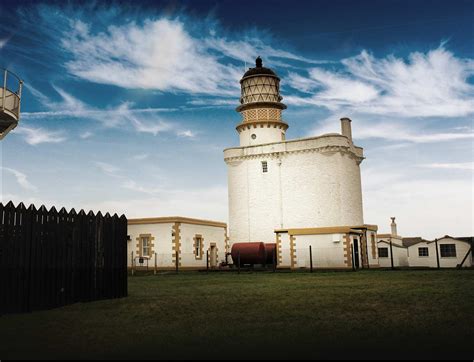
pixel 127 106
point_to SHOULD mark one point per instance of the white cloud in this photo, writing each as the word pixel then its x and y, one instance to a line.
pixel 143 120
pixel 159 54
pixel 108 169
pixel 4 42
pixel 366 127
pixel 140 157
pixel 186 134
pixel 164 54
pixel 21 179
pixel 424 207
pixel 36 136
pixel 435 84
pixel 451 166
pixel 86 134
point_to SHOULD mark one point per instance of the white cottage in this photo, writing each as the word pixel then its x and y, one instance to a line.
pixel 445 252
pixel 162 241
pixel 391 251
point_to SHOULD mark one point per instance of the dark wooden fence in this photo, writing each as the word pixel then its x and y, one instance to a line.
pixel 50 259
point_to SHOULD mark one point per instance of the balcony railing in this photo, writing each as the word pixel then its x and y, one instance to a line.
pixel 10 99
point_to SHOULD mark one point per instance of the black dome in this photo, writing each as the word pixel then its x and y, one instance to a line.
pixel 259 70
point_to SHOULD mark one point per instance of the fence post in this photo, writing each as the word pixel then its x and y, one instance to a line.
pixel 310 259
pixel 391 253
pixel 437 253
pixel 177 261
pixel 238 261
pixel 133 261
pixel 154 271
pixel 353 258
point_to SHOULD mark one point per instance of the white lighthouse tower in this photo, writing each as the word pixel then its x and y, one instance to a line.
pixel 276 183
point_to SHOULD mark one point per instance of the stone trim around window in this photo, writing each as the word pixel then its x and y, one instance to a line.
pixel 201 247
pixel 139 245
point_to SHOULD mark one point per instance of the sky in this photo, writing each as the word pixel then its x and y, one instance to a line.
pixel 127 106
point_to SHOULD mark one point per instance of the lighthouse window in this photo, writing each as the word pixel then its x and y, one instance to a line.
pixel 254 136
pixel 264 166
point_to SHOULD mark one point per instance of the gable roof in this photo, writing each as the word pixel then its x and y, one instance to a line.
pixel 413 240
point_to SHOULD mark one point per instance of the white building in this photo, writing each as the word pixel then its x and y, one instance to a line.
pixel 157 241
pixel 278 184
pixel 446 252
pixel 391 251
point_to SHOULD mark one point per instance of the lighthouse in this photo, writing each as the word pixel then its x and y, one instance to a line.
pixel 275 183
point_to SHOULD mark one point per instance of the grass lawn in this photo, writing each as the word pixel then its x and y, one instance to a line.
pixel 368 314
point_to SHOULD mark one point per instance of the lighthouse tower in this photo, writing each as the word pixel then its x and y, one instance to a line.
pixel 261 107
pixel 276 183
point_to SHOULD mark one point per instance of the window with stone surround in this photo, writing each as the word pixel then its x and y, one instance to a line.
pixel 264 166
pixel 198 246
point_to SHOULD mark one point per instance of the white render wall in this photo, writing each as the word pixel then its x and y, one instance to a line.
pixel 210 235
pixel 263 135
pixel 163 243
pixel 326 252
pixel 430 261
pixel 400 255
pixel 310 183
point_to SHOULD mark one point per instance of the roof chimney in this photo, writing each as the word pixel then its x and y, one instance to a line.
pixel 393 225
pixel 346 128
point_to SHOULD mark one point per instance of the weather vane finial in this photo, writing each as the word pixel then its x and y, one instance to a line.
pixel 258 62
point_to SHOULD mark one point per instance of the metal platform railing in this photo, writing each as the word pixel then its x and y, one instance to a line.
pixel 10 100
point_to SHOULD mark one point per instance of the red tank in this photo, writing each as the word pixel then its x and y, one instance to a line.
pixel 250 253
pixel 270 250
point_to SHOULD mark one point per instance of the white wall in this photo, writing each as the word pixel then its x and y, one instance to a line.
pixel 461 250
pixel 163 243
pixel 400 255
pixel 327 251
pixel 310 183
pixel 210 234
pixel 416 261
pixel 262 135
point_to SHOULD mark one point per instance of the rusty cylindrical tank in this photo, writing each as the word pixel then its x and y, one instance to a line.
pixel 270 250
pixel 250 253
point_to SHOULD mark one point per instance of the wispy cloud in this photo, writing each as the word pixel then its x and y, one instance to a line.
pixel 432 84
pixel 36 136
pixel 144 120
pixel 390 129
pixel 166 55
pixel 108 168
pixel 451 166
pixel 86 134
pixel 4 42
pixel 186 134
pixel 21 179
pixel 140 157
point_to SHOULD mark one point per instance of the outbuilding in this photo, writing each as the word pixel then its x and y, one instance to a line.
pixel 167 242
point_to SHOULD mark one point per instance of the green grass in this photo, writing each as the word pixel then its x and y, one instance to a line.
pixel 368 314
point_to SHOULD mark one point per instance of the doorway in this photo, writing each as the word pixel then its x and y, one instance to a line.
pixel 356 252
pixel 213 256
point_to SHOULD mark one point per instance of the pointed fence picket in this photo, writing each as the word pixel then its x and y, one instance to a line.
pixel 51 258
